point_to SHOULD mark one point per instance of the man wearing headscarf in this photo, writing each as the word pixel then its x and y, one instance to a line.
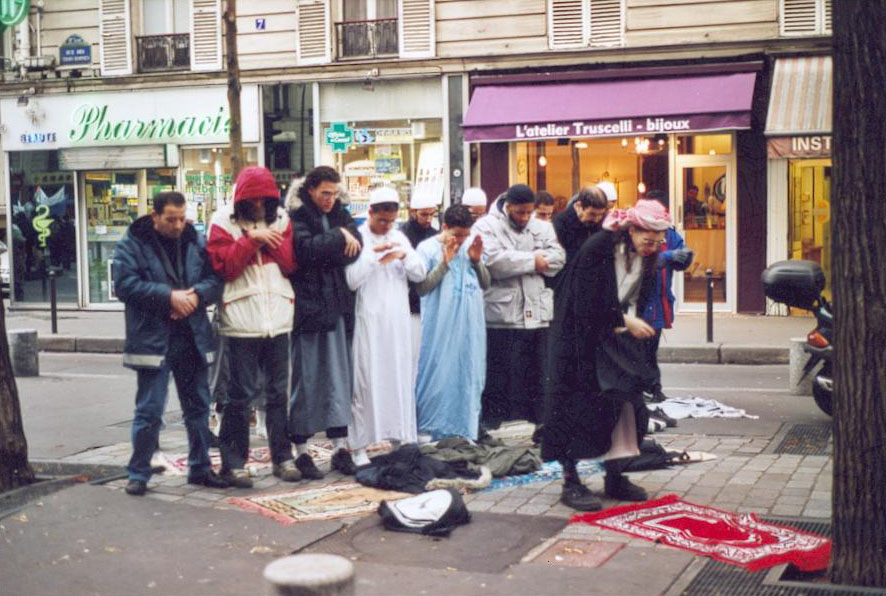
pixel 594 406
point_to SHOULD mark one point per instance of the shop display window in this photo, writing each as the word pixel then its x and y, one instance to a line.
pixel 289 131
pixel 405 154
pixel 207 183
pixel 809 204
pixel 720 144
pixel 43 234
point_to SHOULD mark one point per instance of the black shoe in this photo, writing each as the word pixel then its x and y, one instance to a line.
pixel 579 497
pixel 659 414
pixel 210 479
pixel 305 465
pixel 658 396
pixel 618 487
pixel 344 463
pixel 136 488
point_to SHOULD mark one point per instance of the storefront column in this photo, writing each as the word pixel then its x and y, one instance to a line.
pixel 776 221
pixel 455 138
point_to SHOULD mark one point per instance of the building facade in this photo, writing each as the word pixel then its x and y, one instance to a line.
pixel 722 104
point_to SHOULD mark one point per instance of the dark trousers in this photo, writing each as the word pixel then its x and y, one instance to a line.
pixel 186 365
pixel 254 360
pixel 651 348
pixel 514 376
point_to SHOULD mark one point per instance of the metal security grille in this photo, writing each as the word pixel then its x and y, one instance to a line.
pixel 806 439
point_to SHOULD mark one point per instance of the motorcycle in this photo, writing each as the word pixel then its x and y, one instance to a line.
pixel 799 284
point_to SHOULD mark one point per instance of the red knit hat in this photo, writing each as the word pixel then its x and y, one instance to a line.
pixel 255 183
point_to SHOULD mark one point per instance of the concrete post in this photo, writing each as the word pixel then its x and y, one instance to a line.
pixel 798 359
pixel 23 352
pixel 310 575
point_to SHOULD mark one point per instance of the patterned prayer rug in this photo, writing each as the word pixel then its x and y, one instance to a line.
pixel 550 470
pixel 736 538
pixel 311 504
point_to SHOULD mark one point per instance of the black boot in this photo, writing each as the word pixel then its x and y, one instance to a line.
pixel 579 497
pixel 308 469
pixel 618 487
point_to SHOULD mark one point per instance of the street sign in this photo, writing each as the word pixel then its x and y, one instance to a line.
pixel 74 51
pixel 339 137
pixel 13 12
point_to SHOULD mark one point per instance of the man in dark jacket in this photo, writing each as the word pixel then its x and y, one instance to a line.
pixel 326 241
pixel 163 275
pixel 581 218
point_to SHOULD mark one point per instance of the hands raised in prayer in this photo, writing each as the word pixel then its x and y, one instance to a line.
pixel 450 248
pixel 475 250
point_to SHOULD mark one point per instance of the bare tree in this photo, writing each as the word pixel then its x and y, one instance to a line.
pixel 859 282
pixel 233 68
pixel 14 468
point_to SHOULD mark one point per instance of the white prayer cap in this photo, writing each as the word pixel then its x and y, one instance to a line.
pixel 383 194
pixel 609 190
pixel 422 200
pixel 474 197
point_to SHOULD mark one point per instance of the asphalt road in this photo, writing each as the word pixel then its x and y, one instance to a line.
pixel 83 401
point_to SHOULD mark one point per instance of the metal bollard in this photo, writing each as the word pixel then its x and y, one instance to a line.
pixel 709 285
pixel 310 575
pixel 23 352
pixel 53 302
pixel 798 360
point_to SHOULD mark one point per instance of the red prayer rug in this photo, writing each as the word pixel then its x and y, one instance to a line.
pixel 736 538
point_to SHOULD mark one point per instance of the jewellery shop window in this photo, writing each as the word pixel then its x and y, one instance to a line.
pixel 207 184
pixel 405 154
pixel 43 235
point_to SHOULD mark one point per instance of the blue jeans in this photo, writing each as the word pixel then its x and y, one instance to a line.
pixel 192 384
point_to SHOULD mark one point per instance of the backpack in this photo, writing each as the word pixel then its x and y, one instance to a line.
pixel 434 513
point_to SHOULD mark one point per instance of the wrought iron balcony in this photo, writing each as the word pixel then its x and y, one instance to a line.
pixel 367 39
pixel 157 53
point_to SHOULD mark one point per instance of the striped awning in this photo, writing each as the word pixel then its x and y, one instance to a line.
pixel 801 101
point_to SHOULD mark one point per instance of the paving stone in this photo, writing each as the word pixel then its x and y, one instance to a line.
pixel 789 510
pixel 791 500
pixel 207 495
pixel 753 509
pixel 511 502
pixel 742 480
pixel 480 505
pixel 164 497
pixel 484 495
pixel 543 499
pixel 530 509
pixel 821 495
pixel 796 491
pixel 819 504
pixel 820 513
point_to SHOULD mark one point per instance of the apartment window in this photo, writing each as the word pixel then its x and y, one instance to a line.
pixel 805 17
pixel 582 23
pixel 368 28
pixel 166 41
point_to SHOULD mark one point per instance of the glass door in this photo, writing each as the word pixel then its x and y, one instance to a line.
pixel 705 206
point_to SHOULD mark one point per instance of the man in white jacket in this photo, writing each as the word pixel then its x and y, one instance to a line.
pixel 384 376
pixel 520 251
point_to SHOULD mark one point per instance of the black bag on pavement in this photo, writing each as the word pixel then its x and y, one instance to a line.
pixel 434 513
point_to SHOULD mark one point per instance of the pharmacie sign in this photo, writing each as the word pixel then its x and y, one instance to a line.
pixel 13 12
pixel 142 117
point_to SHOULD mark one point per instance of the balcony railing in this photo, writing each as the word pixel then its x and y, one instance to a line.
pixel 367 39
pixel 158 53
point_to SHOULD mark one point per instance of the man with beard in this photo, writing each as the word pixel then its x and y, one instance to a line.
pixel 581 218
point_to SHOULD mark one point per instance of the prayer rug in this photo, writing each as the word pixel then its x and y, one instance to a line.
pixel 550 470
pixel 312 504
pixel 735 538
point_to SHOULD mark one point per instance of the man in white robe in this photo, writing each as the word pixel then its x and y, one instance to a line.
pixel 384 377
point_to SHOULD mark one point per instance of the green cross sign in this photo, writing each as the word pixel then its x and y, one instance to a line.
pixel 13 12
pixel 339 136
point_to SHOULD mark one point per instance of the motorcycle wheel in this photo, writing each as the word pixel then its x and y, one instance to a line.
pixel 823 398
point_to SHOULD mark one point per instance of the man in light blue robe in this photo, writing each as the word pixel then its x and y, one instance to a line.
pixel 452 364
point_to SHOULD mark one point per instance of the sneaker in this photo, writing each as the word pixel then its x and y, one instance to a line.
pixel 305 465
pixel 577 496
pixel 136 488
pixel 286 471
pixel 344 463
pixel 209 480
pixel 618 487
pixel 237 477
pixel 659 414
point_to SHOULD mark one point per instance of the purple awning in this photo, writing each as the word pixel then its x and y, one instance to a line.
pixel 610 108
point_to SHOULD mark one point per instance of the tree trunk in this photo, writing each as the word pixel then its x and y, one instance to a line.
pixel 859 281
pixel 233 67
pixel 14 468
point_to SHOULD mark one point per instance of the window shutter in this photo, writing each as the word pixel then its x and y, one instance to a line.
pixel 798 17
pixel 115 34
pixel 206 29
pixel 416 28
pixel 568 23
pixel 313 33
pixel 827 16
pixel 607 22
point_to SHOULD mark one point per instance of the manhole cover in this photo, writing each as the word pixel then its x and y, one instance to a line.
pixel 806 439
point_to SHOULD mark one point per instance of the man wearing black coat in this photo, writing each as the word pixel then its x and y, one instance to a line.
pixel 326 241
pixel 581 218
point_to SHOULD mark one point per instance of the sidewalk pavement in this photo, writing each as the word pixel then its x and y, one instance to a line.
pixel 738 339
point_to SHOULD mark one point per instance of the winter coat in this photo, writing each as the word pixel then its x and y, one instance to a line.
pixel 659 312
pixel 578 418
pixel 416 235
pixel 518 297
pixel 320 287
pixel 571 232
pixel 258 300
pixel 142 283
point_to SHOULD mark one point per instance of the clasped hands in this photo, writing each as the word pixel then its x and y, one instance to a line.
pixel 395 253
pixel 184 303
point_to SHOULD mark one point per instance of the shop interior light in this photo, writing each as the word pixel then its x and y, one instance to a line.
pixel 641 188
pixel 581 145
pixel 542 161
pixel 712 152
pixel 624 142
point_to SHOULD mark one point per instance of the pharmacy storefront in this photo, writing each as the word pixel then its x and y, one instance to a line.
pixel 81 168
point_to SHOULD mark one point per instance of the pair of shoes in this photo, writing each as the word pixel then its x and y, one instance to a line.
pixel 577 496
pixel 237 477
pixel 343 462
pixel 210 479
pixel 659 414
pixel 618 487
pixel 136 488
pixel 305 465
pixel 286 471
